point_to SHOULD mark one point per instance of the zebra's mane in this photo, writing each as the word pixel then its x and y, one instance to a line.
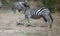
pixel 26 5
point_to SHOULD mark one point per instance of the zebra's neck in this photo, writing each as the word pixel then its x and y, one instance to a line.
pixel 25 9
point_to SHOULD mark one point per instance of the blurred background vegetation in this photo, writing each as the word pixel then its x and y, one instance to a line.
pixel 53 5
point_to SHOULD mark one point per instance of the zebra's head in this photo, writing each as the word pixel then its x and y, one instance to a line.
pixel 22 6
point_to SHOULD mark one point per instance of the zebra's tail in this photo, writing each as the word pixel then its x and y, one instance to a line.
pixel 51 17
pixel 51 20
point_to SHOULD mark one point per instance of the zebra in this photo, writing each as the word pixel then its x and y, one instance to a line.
pixel 37 13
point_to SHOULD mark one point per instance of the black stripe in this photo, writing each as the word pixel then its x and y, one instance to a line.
pixel 44 11
pixel 36 11
pixel 41 10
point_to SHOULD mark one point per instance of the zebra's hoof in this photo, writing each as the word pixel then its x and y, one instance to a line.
pixel 19 24
pixel 29 25
pixel 50 26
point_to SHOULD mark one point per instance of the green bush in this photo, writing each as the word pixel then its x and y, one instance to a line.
pixel 47 3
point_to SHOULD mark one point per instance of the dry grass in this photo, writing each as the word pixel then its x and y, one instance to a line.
pixel 8 25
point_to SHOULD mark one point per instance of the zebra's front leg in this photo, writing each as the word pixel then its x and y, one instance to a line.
pixel 21 22
pixel 28 24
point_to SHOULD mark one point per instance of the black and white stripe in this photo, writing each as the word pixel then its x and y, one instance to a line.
pixel 41 10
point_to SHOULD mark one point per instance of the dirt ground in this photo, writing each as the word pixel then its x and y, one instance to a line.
pixel 8 25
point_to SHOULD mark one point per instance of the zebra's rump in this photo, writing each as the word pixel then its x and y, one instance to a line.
pixel 36 17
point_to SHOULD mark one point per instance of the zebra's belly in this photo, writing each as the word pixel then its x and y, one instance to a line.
pixel 36 17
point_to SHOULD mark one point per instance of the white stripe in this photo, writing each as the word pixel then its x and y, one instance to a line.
pixel 39 10
pixel 35 11
pixel 43 10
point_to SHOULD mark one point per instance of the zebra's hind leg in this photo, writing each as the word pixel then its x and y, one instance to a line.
pixel 48 19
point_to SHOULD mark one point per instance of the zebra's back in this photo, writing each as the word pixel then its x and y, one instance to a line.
pixel 37 13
